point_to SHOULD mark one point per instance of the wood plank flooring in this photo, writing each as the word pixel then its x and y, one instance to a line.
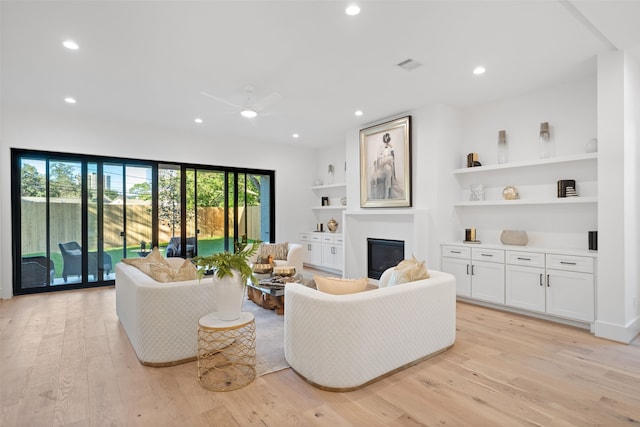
pixel 65 361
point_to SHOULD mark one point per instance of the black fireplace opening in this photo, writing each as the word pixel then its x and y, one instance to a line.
pixel 383 254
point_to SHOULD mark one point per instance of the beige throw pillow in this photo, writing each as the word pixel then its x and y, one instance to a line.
pixel 164 274
pixel 144 264
pixel 276 250
pixel 333 285
pixel 407 271
pixel 187 271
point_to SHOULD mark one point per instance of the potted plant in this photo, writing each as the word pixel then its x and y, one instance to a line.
pixel 231 271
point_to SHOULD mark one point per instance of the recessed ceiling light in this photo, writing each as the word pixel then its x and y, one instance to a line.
pixel 352 10
pixel 358 113
pixel 295 135
pixel 70 44
pixel 479 70
pixel 69 100
pixel 198 120
pixel 248 113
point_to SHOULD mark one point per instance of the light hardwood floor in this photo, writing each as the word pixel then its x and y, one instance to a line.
pixel 67 361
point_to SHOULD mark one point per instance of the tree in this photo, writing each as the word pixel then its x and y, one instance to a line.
pixel 32 182
pixel 140 191
pixel 64 181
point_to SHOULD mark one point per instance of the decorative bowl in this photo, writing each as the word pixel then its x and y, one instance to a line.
pixel 284 270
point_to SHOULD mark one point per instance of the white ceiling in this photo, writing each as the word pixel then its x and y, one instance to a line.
pixel 147 61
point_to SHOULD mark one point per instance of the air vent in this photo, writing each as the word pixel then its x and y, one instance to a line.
pixel 409 64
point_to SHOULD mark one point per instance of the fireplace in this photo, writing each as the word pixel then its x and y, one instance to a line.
pixel 382 254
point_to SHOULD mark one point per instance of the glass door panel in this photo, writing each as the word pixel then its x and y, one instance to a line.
pixel 37 268
pixel 210 211
pixel 258 217
pixel 169 210
pixel 65 219
pixel 139 221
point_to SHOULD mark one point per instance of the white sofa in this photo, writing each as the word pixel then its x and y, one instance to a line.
pixel 344 342
pixel 161 319
pixel 295 257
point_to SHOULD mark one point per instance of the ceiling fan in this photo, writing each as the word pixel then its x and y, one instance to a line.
pixel 251 108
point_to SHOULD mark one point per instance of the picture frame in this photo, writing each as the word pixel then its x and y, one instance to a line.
pixel 385 164
pixel 325 201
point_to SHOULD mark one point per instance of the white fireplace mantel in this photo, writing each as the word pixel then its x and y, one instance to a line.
pixel 409 225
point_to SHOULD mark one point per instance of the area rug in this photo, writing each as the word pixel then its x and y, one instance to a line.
pixel 269 339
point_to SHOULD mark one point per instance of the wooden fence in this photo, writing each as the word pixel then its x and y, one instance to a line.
pixel 66 220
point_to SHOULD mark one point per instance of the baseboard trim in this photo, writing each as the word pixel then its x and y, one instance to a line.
pixel 616 332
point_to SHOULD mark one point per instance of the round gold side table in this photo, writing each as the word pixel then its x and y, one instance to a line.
pixel 226 352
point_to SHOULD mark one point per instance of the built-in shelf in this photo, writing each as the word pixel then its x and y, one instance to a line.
pixel 328 208
pixel 328 187
pixel 528 163
pixel 558 201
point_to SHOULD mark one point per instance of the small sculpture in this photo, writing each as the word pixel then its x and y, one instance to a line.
pixel 332 225
pixel 510 193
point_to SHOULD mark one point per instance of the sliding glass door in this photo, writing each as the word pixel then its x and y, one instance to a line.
pixel 75 217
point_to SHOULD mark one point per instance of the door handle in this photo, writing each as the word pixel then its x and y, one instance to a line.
pixel 548 282
pixel 541 284
pixel 472 269
pixel 467 269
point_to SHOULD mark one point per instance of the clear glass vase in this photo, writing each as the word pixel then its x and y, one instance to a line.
pixel 503 149
pixel 547 148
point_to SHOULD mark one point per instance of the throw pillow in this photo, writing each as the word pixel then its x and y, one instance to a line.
pixel 333 285
pixel 407 271
pixel 276 250
pixel 154 257
pixel 161 273
pixel 187 271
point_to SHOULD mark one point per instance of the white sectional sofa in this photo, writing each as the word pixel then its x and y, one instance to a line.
pixel 161 319
pixel 344 342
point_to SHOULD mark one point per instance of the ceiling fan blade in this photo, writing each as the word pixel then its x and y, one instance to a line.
pixel 224 101
pixel 268 100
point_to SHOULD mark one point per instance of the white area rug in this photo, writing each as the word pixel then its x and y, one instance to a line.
pixel 269 339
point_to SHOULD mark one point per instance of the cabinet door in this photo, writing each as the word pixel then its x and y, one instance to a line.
pixel 314 253
pixel 337 257
pixel 570 294
pixel 487 281
pixel 328 257
pixel 525 288
pixel 461 269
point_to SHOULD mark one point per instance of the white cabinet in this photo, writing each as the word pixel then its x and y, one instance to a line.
pixel 557 284
pixel 479 271
pixel 537 280
pixel 525 280
pixel 570 287
pixel 312 245
pixel 323 250
pixel 332 251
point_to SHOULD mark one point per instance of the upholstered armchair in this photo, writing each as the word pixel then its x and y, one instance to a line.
pixel 174 248
pixel 293 255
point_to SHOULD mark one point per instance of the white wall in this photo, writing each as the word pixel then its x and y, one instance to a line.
pixel 571 110
pixel 435 136
pixel 38 130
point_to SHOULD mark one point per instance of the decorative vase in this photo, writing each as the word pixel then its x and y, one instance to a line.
pixel 547 149
pixel 332 225
pixel 229 292
pixel 503 150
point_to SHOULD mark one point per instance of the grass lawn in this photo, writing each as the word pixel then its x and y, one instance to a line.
pixel 205 247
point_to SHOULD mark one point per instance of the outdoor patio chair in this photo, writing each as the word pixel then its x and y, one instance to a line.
pixel 72 260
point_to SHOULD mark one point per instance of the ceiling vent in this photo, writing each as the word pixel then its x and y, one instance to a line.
pixel 409 64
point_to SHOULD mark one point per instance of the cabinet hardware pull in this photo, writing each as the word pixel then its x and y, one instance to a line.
pixel 467 269
pixel 541 280
pixel 567 263
pixel 486 254
pixel 524 259
pixel 472 269
pixel 548 282
pixel 455 252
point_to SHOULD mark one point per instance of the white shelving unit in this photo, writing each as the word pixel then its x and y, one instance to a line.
pixel 536 181
pixel 335 192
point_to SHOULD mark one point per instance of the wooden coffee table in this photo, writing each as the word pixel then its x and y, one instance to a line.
pixel 270 298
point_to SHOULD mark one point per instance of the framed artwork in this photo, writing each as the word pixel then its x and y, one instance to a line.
pixel 385 164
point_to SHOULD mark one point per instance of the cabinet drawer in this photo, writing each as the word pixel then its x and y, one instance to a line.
pixel 581 264
pixel 531 259
pixel 315 237
pixel 489 255
pixel 456 252
pixel 327 239
pixel 338 240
